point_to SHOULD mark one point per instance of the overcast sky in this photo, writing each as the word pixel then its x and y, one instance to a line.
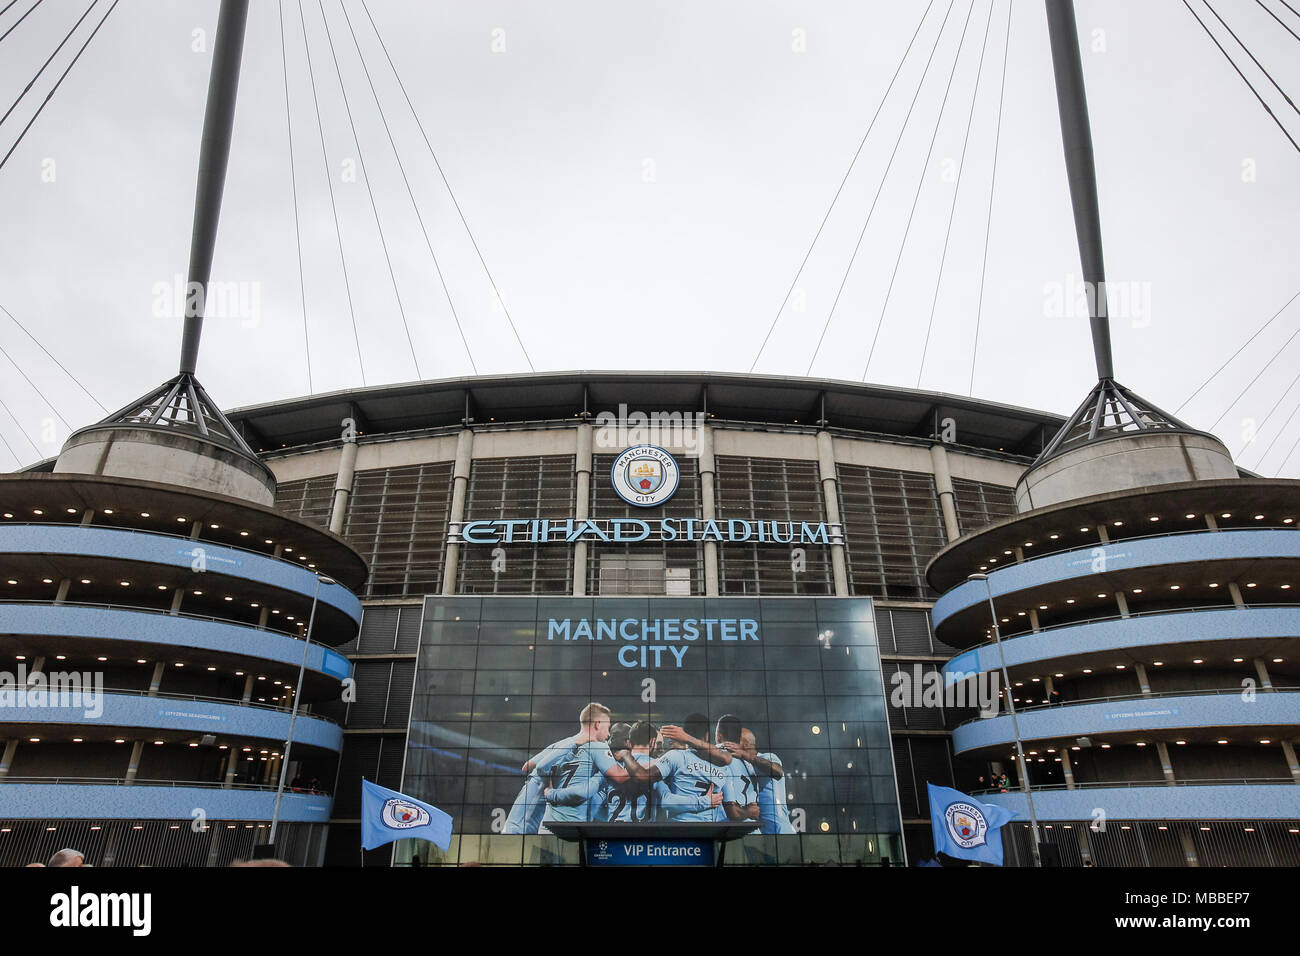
pixel 643 182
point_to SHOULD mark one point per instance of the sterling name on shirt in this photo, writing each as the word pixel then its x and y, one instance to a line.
pixel 678 633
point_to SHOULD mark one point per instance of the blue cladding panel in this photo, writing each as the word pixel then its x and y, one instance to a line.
pixel 1209 802
pixel 40 801
pixel 1149 630
pixel 1134 714
pixel 164 629
pixel 163 713
pixel 175 552
pixel 1119 556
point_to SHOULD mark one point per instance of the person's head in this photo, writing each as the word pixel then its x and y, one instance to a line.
pixel 595 721
pixel 643 734
pixel 728 729
pixel 67 858
pixel 697 725
pixel 263 861
pixel 618 734
pixel 747 740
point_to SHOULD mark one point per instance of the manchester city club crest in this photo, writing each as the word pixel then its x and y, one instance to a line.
pixel 402 815
pixel 966 825
pixel 645 475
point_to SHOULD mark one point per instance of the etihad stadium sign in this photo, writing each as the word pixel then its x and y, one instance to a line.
pixel 631 530
pixel 644 476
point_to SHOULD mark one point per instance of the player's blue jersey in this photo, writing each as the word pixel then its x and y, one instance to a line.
pixel 773 814
pixel 529 806
pixel 631 804
pixel 526 812
pixel 628 802
pixel 744 781
pixel 578 766
pixel 686 774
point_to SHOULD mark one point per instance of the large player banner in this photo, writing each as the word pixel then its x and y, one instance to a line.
pixel 529 711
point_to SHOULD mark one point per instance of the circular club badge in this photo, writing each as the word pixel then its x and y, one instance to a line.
pixel 645 476
pixel 966 825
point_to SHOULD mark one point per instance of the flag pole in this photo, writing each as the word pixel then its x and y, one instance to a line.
pixel 1022 764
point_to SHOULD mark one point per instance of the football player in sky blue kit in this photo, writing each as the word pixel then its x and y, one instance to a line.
pixel 773 813
pixel 630 802
pixel 526 812
pixel 699 770
pixel 743 804
pixel 586 755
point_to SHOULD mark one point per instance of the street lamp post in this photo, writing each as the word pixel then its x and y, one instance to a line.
pixel 297 693
pixel 1015 723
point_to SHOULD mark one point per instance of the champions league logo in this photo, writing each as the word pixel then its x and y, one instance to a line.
pixel 645 476
pixel 966 825
pixel 402 815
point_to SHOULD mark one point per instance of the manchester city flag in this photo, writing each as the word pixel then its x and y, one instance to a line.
pixel 387 815
pixel 964 828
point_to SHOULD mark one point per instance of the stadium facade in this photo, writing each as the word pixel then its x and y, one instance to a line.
pixel 823 520
pixel 854 487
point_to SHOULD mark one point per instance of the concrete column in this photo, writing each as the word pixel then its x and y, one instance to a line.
pixel 87 517
pixel 1262 670
pixel 1020 554
pixel 1033 620
pixel 460 485
pixel 196 529
pixel 11 748
pixel 1166 765
pixel 263 616
pixel 708 508
pixel 137 749
pixel 1067 769
pixel 62 594
pixel 248 688
pixel 1143 684
pixel 1235 591
pixel 156 681
pixel 1103 534
pixel 110 843
pixel 1121 601
pixel 232 768
pixel 582 506
pixel 214 844
pixel 178 594
pixel 1085 851
pixel 343 484
pixel 1288 751
pixel 830 494
pixel 1189 848
pixel 943 486
pixel 1211 523
pixel 38 666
